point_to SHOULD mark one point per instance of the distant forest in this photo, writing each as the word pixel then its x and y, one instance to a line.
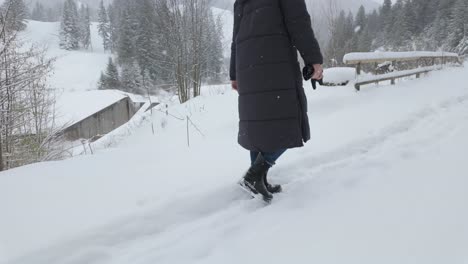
pixel 405 25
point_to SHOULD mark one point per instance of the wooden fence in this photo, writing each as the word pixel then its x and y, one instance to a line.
pixel 415 63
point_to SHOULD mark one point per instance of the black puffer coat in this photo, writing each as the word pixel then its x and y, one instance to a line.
pixel 272 102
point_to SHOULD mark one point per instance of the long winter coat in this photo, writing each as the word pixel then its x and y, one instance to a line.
pixel 272 102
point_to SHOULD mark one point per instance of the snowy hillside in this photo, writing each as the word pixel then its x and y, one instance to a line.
pixel 77 72
pixel 74 70
pixel 383 180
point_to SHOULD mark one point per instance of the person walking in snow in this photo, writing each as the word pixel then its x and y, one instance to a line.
pixel 266 73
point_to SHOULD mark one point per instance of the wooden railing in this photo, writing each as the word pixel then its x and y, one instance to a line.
pixel 415 63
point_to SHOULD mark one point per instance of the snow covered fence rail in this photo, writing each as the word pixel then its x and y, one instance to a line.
pixel 393 75
pixel 416 62
pixel 380 57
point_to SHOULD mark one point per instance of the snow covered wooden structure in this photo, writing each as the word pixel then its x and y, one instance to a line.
pixel 434 60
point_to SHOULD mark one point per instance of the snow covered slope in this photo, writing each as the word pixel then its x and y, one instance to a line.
pixel 383 180
pixel 74 70
pixel 75 73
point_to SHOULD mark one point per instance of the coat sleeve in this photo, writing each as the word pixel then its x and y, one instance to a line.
pixel 232 67
pixel 299 26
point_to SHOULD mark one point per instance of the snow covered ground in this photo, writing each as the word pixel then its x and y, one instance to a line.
pixel 383 180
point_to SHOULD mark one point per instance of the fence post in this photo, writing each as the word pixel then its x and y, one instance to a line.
pixel 188 133
pixel 358 68
pixel 393 81
pixel 357 87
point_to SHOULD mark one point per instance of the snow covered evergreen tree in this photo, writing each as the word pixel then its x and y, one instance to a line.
pixel 458 24
pixel 404 26
pixel 126 43
pixel 104 26
pixel 387 18
pixel 14 13
pixel 54 12
pixel 361 19
pixel 102 84
pixel 213 49
pixel 39 12
pixel 111 78
pixel 113 14
pixel 85 27
pixel 401 30
pixel 335 49
pixel 146 44
pixel 362 40
pixel 70 33
pixel 132 78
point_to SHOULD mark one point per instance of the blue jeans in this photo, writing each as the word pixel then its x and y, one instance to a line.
pixel 270 157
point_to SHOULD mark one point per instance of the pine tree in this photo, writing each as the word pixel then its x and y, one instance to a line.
pixel 85 28
pixel 386 14
pixel 54 13
pixel 39 13
pixel 114 24
pixel 400 33
pixel 102 84
pixel 146 38
pixel 335 49
pixel 361 19
pixel 373 23
pixel 437 33
pixel 424 15
pixel 69 27
pixel 15 14
pixel 50 15
pixel 104 27
pixel 458 24
pixel 213 49
pixel 112 76
pixel 126 45
pixel 132 78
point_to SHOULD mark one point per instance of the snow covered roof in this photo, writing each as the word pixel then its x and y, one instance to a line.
pixel 75 106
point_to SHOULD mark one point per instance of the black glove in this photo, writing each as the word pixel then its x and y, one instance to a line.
pixel 307 73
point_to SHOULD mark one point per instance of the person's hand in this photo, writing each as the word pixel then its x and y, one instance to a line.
pixel 234 85
pixel 318 72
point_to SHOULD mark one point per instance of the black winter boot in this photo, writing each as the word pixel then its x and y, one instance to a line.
pixel 272 188
pixel 254 179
